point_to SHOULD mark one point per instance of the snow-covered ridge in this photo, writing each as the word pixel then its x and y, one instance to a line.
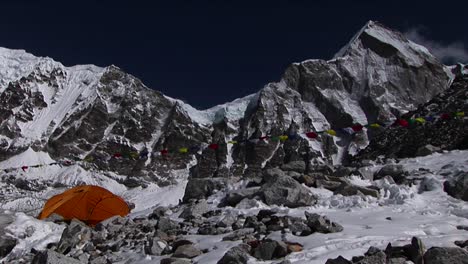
pixel 233 111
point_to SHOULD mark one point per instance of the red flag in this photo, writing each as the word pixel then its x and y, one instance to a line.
pixel 445 116
pixel 117 155
pixel 357 128
pixel 263 137
pixel 403 123
pixel 164 152
pixel 213 146
pixel 24 168
pixel 311 135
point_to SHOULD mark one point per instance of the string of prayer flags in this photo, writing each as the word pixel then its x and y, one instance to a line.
pixel 402 122
pixel 275 138
pixel 420 120
pixel 445 116
pixel 311 135
pixel 183 150
pixel 331 132
pixel 357 128
pixel 213 146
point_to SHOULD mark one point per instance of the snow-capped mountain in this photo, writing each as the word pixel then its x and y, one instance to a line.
pixel 242 199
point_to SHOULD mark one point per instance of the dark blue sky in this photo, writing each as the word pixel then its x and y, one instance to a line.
pixel 210 52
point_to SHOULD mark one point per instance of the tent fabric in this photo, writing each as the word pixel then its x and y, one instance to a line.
pixel 87 203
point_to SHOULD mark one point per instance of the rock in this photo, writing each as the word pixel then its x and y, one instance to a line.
pixel 378 258
pixel 234 197
pixel 347 189
pixel 338 260
pixel 462 227
pixel 415 251
pixel 159 212
pixel 166 224
pixel 195 210
pixel 298 227
pixel 227 221
pixel 6 245
pixel 248 204
pixel 156 247
pixel 458 186
pixel 395 171
pixel 100 260
pixel 426 150
pixel 398 261
pixel 329 185
pixel 342 171
pixel 239 234
pixel 462 244
pixel 52 257
pixel 201 188
pixel 280 189
pixel 180 242
pixel 186 251
pixel 297 166
pixel 308 180
pixel 55 218
pixel 75 234
pixel 236 255
pixel 429 184
pixel 439 255
pixel 175 261
pixel 322 224
pixel 270 249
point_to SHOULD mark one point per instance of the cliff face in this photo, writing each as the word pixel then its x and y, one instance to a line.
pixel 93 113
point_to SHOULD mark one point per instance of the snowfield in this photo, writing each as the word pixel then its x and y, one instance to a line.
pixel 401 213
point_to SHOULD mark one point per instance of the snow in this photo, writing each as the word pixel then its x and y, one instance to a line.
pixel 233 111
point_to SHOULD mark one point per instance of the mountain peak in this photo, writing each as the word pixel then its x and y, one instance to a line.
pixel 385 42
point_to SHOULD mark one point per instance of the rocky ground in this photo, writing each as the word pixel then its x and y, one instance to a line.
pixel 260 220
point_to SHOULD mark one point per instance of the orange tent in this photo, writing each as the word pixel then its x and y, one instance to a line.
pixel 90 204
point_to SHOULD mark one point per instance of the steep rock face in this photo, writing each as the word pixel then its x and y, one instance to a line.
pixel 92 113
pixel 445 134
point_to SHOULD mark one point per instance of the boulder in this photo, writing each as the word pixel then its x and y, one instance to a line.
pixel 195 210
pixel 426 150
pixel 395 171
pixel 458 186
pixel 75 234
pixel 6 245
pixel 235 197
pixel 270 249
pixel 322 224
pixel 175 261
pixel 52 257
pixel 347 189
pixel 415 251
pixel 429 184
pixel 166 224
pixel 186 251
pixel 201 188
pixel 281 189
pixel 156 247
pixel 297 166
pixel 236 255
pixel 239 234
pixel 377 258
pixel 338 260
pixel 444 255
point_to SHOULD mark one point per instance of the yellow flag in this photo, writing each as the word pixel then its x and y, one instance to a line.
pixel 420 120
pixel 331 132
pixel 89 159
pixel 375 125
pixel 232 142
pixel 134 155
pixel 283 138
pixel 460 114
pixel 183 150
